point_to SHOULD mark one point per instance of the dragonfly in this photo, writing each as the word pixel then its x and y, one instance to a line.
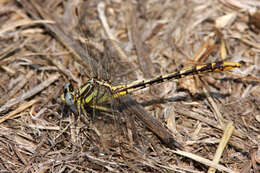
pixel 99 94
pixel 96 92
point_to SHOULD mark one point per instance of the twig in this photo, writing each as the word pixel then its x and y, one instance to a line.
pixel 225 138
pixel 30 93
pixel 203 160
pixel 111 37
pixel 18 110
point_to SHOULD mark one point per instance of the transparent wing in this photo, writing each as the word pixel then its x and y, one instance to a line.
pixel 118 63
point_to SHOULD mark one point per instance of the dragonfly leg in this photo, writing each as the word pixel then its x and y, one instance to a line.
pixel 79 109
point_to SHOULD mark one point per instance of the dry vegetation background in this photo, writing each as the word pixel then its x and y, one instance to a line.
pixel 215 117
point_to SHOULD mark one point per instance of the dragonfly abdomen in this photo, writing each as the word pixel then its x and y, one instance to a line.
pixel 211 67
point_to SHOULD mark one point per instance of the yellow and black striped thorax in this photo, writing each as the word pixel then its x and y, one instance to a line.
pixel 93 92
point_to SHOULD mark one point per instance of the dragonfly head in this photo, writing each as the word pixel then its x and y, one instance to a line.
pixel 68 97
pixel 68 94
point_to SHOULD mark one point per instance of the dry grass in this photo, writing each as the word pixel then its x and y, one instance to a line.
pixel 215 117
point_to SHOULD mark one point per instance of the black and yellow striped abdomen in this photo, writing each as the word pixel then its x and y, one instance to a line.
pixel 206 68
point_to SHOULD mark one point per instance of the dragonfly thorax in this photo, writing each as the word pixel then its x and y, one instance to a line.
pixel 92 94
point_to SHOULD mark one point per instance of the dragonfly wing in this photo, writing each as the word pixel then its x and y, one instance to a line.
pixel 118 63
pixel 131 106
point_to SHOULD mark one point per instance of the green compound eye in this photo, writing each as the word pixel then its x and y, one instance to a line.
pixel 68 89
pixel 68 97
pixel 67 86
